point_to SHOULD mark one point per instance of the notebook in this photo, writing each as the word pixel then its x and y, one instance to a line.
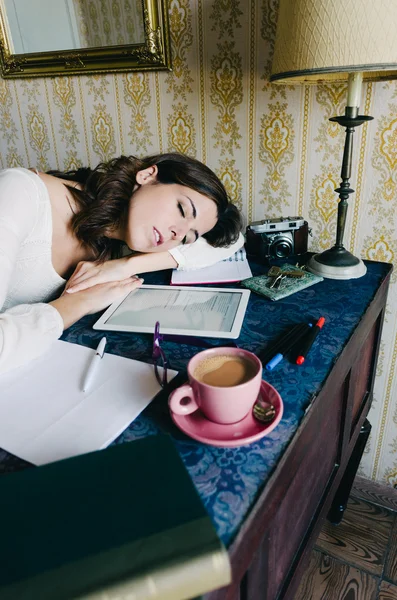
pixel 46 416
pixel 125 522
pixel 290 285
pixel 229 270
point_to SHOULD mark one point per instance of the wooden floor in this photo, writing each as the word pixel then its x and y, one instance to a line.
pixel 357 559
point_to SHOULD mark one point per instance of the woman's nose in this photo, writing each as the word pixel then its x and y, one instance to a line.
pixel 178 232
pixel 177 235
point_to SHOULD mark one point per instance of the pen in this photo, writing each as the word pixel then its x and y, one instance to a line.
pixel 286 344
pixel 93 366
pixel 308 341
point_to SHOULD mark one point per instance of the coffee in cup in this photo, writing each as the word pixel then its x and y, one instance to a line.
pixel 225 370
pixel 223 383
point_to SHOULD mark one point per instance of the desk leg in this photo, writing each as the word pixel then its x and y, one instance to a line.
pixel 339 502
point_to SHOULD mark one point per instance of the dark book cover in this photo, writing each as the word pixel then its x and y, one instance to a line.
pixel 100 520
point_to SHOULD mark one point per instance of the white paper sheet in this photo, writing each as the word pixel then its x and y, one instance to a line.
pixel 45 416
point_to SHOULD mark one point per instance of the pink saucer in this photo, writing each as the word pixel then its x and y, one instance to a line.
pixel 246 431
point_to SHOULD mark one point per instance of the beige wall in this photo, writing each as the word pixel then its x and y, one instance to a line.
pixel 273 146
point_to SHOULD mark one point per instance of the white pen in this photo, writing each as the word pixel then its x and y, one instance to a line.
pixel 93 366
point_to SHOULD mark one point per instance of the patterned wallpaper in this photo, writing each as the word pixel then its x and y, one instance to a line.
pixel 272 146
pixel 109 22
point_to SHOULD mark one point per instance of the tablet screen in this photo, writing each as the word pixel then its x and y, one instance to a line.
pixel 195 311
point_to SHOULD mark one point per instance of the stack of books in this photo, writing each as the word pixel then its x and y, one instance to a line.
pixel 125 522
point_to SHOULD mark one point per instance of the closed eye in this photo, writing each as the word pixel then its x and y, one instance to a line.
pixel 191 237
pixel 194 232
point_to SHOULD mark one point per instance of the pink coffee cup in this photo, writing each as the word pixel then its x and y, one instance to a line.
pixel 214 386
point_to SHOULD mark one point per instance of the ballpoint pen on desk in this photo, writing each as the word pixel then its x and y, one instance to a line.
pixel 308 341
pixel 286 344
pixel 94 364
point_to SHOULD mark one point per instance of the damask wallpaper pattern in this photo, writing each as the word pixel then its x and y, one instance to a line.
pixel 108 23
pixel 272 146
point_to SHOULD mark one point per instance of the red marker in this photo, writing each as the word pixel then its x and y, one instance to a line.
pixel 308 341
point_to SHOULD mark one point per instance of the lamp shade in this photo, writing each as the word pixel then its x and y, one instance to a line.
pixel 325 40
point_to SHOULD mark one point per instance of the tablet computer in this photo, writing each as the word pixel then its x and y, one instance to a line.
pixel 181 310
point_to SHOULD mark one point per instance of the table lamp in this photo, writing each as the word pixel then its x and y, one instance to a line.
pixel 320 41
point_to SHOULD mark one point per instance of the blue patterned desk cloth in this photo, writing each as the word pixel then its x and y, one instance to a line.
pixel 230 479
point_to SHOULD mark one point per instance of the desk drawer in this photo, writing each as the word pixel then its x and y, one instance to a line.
pixel 318 444
pixel 363 373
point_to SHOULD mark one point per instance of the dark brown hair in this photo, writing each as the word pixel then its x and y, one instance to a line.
pixel 106 192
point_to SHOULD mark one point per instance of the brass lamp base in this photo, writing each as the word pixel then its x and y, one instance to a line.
pixel 336 263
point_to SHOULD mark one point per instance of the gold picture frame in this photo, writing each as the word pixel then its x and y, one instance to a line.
pixel 153 54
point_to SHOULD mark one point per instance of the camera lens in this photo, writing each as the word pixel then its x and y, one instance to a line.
pixel 283 250
pixel 281 247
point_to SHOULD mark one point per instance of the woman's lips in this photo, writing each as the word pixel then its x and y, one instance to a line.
pixel 158 239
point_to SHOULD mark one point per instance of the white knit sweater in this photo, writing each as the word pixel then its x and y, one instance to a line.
pixel 28 280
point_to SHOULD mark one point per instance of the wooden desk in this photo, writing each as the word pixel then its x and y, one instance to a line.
pixel 268 500
pixel 313 479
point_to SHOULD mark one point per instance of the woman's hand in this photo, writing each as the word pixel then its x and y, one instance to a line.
pixel 74 306
pixel 88 274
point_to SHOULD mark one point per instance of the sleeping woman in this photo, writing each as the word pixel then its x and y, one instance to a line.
pixel 63 236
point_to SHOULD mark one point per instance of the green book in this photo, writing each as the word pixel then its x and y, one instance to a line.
pixel 289 285
pixel 127 519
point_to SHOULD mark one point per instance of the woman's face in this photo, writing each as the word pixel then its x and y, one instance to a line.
pixel 162 216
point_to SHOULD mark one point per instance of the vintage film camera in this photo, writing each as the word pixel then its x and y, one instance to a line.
pixel 277 238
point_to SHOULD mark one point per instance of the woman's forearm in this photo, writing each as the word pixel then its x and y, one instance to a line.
pixel 154 261
pixel 71 308
pixel 27 331
pixel 88 274
pixel 192 256
pixel 189 257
